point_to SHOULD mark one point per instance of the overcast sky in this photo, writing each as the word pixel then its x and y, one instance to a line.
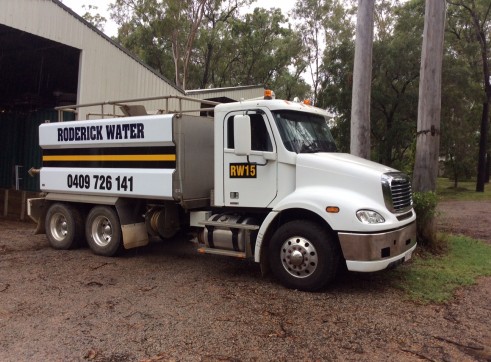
pixel 111 29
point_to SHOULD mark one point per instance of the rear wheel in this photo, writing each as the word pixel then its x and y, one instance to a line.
pixel 64 226
pixel 103 231
pixel 304 255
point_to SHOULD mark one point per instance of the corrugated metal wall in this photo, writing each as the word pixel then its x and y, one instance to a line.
pixel 19 146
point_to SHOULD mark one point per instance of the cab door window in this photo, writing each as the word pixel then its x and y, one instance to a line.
pixel 260 140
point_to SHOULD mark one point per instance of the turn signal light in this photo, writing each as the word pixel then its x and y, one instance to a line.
pixel 332 209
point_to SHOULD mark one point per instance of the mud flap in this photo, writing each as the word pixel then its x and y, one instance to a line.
pixel 134 235
pixel 37 212
pixel 133 226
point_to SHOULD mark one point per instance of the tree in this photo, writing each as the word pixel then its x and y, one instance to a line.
pixel 335 93
pixel 95 19
pixel 337 69
pixel 429 105
pixel 222 49
pixel 173 22
pixel 478 15
pixel 139 32
pixel 362 79
pixel 217 21
pixel 311 14
pixel 396 57
pixel 461 109
pixel 257 50
pixel 182 12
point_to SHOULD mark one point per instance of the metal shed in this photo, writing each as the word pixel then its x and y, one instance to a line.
pixel 49 57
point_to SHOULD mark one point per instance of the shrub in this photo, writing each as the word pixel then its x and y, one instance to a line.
pixel 425 207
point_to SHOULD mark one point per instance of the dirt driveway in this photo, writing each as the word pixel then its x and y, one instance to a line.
pixel 165 302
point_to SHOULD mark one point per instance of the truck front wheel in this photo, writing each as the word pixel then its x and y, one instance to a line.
pixel 103 231
pixel 303 255
pixel 64 226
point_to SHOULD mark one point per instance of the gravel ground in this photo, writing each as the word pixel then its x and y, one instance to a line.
pixel 165 302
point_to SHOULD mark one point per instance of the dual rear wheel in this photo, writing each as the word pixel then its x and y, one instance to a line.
pixel 65 228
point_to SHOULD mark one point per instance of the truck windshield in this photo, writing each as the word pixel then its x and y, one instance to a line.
pixel 304 132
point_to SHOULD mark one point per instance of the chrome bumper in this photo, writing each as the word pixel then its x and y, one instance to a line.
pixel 373 252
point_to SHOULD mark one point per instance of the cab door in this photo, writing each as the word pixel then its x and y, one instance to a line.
pixel 250 181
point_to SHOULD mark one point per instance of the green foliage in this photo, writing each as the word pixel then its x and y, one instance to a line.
pixel 264 47
pixel 337 75
pixel 95 19
pixel 434 279
pixel 316 21
pixel 395 74
pixel 228 49
pixel 469 25
pixel 395 85
pixel 461 110
pixel 425 206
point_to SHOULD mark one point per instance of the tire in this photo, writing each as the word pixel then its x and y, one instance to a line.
pixel 64 226
pixel 303 255
pixel 103 231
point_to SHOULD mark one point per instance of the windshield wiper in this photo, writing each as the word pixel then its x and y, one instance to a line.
pixel 312 148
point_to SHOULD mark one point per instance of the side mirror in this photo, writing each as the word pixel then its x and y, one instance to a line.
pixel 242 135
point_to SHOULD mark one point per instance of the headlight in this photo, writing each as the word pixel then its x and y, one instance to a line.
pixel 369 217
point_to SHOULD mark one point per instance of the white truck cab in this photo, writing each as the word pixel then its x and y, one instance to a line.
pixel 261 180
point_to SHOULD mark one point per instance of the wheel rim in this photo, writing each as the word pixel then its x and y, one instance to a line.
pixel 102 231
pixel 58 226
pixel 299 257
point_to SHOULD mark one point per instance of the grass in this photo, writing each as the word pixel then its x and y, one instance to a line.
pixel 431 278
pixel 466 191
pixel 434 279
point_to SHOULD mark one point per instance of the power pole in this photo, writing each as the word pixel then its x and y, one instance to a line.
pixel 362 80
pixel 429 106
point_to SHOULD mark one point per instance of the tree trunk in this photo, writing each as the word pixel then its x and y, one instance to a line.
pixel 206 70
pixel 176 67
pixel 488 165
pixel 483 141
pixel 362 78
pixel 429 106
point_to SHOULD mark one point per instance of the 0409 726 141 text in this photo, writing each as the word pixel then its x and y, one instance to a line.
pixel 100 182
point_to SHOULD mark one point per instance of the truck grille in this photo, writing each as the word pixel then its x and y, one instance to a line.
pixel 397 192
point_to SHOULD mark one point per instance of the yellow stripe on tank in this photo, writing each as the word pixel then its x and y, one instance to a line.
pixel 110 158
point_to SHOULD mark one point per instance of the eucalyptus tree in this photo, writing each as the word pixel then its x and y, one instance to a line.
pixel 169 25
pixel 207 43
pixel 140 31
pixel 211 43
pixel 362 79
pixel 260 47
pixel 460 119
pixel 310 15
pixel 94 17
pixel 429 100
pixel 397 53
pixel 475 16
pixel 461 101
